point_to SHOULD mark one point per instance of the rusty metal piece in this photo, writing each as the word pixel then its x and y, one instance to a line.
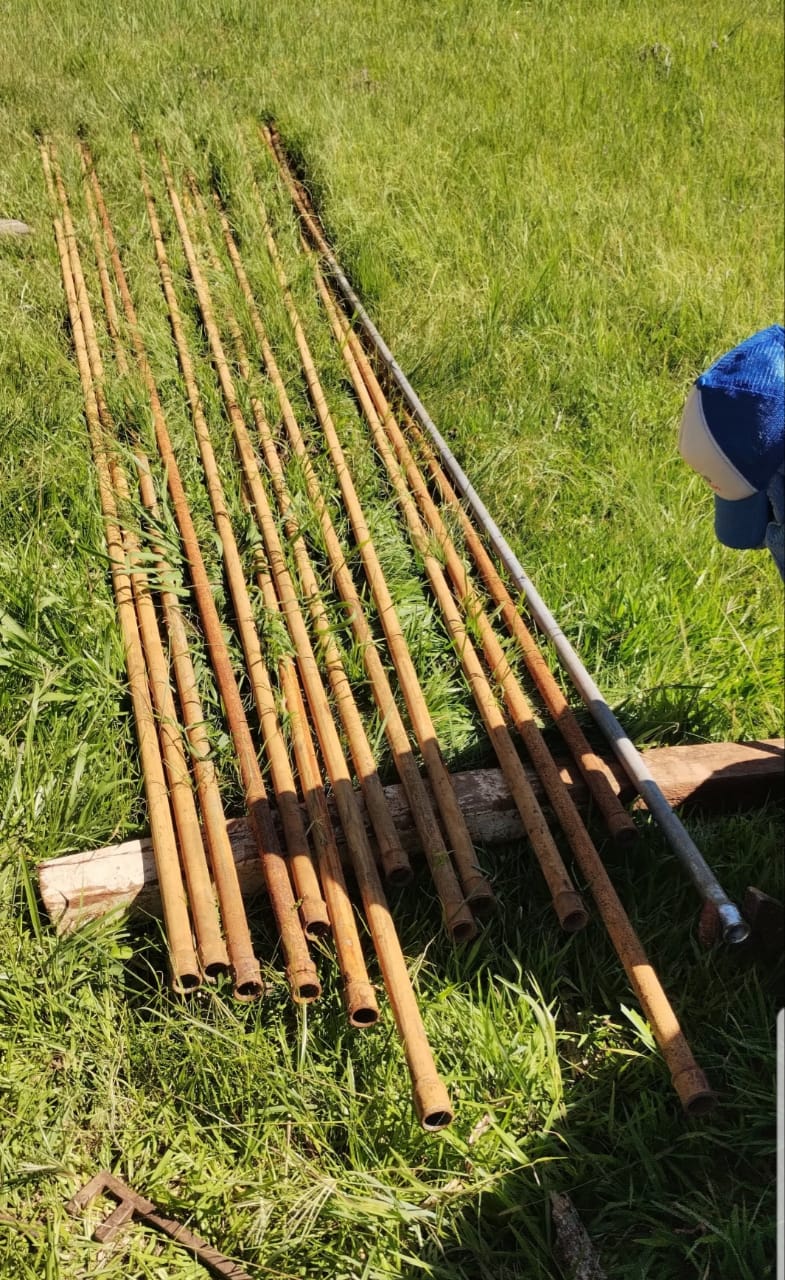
pixel 301 973
pixel 132 1205
pixel 182 956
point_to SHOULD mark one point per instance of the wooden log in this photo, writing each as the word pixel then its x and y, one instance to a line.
pixel 717 776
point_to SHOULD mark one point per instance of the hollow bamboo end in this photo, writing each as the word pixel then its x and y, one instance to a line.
pixel 570 911
pixel 482 900
pixel 185 974
pixel 316 921
pixel 398 874
pixel 462 929
pixel 695 1092
pixel 248 984
pixel 215 969
pixel 622 830
pixel 361 1004
pixel 304 985
pixel 432 1104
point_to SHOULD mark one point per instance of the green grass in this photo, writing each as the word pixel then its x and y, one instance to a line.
pixel 557 215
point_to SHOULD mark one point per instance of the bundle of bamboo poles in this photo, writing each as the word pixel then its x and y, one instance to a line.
pixel 206 927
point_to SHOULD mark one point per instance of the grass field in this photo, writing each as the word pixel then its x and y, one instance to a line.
pixel 557 214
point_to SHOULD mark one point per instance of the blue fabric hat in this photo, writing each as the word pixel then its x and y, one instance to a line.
pixel 733 433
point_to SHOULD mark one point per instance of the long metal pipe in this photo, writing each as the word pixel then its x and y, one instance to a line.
pixel 186 975
pixel 734 927
pixel 419 801
pixel 301 973
pixel 475 884
pixel 248 983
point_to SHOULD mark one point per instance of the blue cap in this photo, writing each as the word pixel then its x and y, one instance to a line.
pixel 733 433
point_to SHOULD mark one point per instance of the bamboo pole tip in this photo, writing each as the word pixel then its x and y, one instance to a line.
pixel 185 973
pixel 622 830
pixel 482 900
pixel 432 1104
pixel 462 928
pixel 316 921
pixel 570 911
pixel 361 1004
pixel 305 985
pixel 695 1092
pixel 248 984
pixel 398 874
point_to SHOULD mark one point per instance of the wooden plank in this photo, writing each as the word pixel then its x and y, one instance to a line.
pixel 83 886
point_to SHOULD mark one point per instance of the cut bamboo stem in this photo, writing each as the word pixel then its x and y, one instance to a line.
pixel 313 909
pixel 431 1100
pixel 358 992
pixel 210 943
pixel 385 428
pixel 246 973
pixel 688 1079
pixel 301 974
pixel 478 891
pixel 420 802
pixel 184 965
pixel 396 864
pixel 599 777
pixel 566 902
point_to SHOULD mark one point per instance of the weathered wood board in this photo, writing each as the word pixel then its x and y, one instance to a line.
pixel 83 886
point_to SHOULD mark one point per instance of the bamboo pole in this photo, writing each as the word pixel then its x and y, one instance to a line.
pixel 312 906
pixel 358 992
pixel 210 943
pixel 301 974
pixel 688 1079
pixel 385 430
pixel 458 918
pixel 419 801
pixel 734 927
pixel 431 1100
pixel 599 777
pixel 182 956
pixel 245 967
pixel 475 885
pixel 566 902
pixel 395 862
